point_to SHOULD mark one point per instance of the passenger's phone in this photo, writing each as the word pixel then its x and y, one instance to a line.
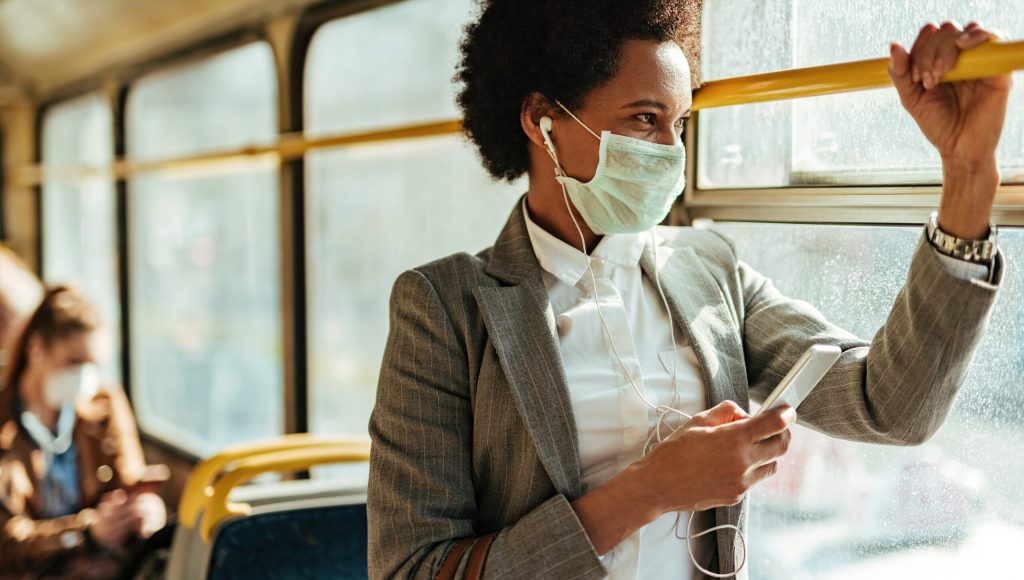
pixel 802 378
pixel 152 479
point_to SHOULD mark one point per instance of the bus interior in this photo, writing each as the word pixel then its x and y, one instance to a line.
pixel 235 185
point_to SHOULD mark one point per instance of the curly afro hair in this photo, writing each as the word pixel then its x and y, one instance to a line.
pixel 561 49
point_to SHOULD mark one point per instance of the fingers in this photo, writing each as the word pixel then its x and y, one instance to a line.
pixel 922 38
pixel 935 52
pixel 114 498
pixel 973 36
pixel 764 472
pixel 946 52
pixel 720 414
pixel 901 74
pixel 772 448
pixel 768 424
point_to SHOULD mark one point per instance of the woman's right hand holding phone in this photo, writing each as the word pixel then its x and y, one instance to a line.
pixel 715 458
pixel 711 461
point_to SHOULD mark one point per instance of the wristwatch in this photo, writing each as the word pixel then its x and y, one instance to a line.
pixel 976 251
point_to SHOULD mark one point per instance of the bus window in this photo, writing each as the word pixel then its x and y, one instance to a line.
pixel 860 138
pixel 838 509
pixel 78 216
pixel 206 346
pixel 376 210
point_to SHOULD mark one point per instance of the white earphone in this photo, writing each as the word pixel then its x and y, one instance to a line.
pixel 545 130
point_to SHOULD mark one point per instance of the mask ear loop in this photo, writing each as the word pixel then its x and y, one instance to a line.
pixel 577 119
pixel 664 411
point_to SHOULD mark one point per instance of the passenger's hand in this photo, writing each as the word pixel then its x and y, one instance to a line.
pixel 118 520
pixel 716 457
pixel 151 512
pixel 963 120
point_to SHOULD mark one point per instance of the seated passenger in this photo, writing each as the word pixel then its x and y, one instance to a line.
pixel 73 495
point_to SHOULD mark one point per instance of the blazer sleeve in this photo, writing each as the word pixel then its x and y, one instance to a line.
pixel 421 497
pixel 898 388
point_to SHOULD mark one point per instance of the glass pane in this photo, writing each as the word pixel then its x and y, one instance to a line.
pixel 839 510
pixel 205 299
pixel 204 106
pixel 377 210
pixel 387 67
pixel 855 138
pixel 79 217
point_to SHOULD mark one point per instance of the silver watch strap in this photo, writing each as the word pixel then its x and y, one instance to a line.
pixel 978 251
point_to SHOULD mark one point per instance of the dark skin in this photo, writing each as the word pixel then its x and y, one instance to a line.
pixel 717 456
pixel 648 99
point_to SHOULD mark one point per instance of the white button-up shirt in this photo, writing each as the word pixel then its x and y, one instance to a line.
pixel 612 420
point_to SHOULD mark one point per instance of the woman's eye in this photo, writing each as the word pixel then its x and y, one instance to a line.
pixel 648 118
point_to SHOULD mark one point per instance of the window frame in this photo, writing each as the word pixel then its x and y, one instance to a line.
pixel 827 204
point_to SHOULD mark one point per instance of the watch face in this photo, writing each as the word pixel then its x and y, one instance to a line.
pixel 71 539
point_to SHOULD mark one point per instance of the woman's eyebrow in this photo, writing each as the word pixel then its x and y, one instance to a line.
pixel 647 103
pixel 652 103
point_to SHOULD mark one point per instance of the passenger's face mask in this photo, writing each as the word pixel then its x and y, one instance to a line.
pixel 634 185
pixel 68 385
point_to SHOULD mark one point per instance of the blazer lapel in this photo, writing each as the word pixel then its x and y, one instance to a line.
pixel 697 305
pixel 521 327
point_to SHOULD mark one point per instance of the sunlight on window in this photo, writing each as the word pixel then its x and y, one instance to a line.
pixel 854 138
pixel 377 210
pixel 205 300
pixel 79 216
pixel 836 510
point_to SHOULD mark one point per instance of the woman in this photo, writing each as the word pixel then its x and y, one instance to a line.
pixel 529 412
pixel 75 492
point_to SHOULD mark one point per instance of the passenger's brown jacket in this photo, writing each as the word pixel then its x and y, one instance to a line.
pixel 109 457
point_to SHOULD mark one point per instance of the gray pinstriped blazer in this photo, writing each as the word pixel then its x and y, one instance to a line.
pixel 473 430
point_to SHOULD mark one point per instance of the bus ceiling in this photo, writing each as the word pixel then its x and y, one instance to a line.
pixel 46 45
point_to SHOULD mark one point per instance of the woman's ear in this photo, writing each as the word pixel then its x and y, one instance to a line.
pixel 535 108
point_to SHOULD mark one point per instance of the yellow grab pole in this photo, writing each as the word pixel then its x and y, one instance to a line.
pixel 988 60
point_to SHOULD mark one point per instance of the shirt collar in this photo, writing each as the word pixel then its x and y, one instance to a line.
pixel 569 264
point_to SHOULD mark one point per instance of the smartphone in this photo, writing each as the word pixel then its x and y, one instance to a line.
pixel 152 480
pixel 802 378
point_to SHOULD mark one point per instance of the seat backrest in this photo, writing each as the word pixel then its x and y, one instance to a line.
pixel 221 478
pixel 286 541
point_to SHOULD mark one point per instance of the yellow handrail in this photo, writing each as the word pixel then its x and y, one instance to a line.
pixel 198 488
pixel 291 460
pixel 986 60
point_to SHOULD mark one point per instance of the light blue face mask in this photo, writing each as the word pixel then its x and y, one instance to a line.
pixel 634 185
